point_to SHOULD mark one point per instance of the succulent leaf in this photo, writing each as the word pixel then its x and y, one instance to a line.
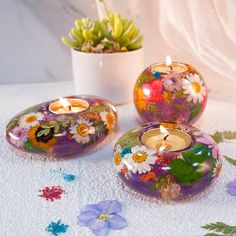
pixel 111 34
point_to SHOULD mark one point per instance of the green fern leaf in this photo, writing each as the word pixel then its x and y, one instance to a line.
pixel 218 137
pixel 220 227
pixel 229 134
pixel 230 160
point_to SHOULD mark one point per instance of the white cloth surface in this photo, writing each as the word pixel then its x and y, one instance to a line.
pixel 23 213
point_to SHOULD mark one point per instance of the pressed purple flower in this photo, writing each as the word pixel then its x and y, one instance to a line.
pixel 18 136
pixel 209 142
pixel 172 82
pixel 102 217
pixel 231 187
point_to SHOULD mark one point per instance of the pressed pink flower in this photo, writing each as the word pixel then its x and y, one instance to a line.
pixel 172 82
pixel 18 136
pixel 202 138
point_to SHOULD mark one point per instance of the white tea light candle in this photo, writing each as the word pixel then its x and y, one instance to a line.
pixel 175 140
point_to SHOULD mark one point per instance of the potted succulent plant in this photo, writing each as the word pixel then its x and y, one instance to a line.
pixel 107 56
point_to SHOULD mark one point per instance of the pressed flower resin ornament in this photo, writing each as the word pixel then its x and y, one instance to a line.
pixel 65 126
pixel 170 92
pixel 167 161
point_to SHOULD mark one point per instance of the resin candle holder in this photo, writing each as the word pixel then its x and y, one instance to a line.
pixel 171 92
pixel 62 127
pixel 167 161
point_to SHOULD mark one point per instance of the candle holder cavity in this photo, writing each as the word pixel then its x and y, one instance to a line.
pixel 72 125
pixel 174 167
pixel 170 93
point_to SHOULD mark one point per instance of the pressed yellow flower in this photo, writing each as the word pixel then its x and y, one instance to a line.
pixel 43 144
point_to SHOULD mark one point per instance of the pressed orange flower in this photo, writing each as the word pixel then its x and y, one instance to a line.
pixel 138 97
pixel 117 159
pixel 42 143
pixel 167 96
pixel 108 118
pixel 148 176
pixel 91 115
pixel 124 170
pixel 169 125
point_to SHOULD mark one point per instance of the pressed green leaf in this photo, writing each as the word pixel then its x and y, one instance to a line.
pixel 28 146
pixel 64 124
pixel 40 133
pixel 183 172
pixel 98 108
pixel 143 78
pixel 46 132
pixel 45 126
pixel 195 111
pixel 159 183
pixel 179 94
pixel 177 106
pixel 129 140
pixel 230 160
pixel 61 119
pixel 53 123
pixel 12 123
pixel 152 107
pixel 57 129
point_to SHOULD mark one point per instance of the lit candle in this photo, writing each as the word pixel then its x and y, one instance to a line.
pixel 170 67
pixel 68 106
pixel 163 139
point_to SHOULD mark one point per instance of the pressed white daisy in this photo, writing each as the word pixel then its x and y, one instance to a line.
pixel 82 130
pixel 140 160
pixel 108 118
pixel 30 120
pixel 118 158
pixel 193 87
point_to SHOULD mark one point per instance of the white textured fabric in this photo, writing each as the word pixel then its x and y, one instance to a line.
pixel 203 29
pixel 23 213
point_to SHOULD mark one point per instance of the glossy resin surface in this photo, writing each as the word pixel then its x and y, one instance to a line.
pixel 167 175
pixel 38 130
pixel 170 97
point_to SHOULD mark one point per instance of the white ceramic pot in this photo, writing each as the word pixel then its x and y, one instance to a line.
pixel 110 75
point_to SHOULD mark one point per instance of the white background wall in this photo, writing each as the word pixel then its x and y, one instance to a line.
pixel 31 50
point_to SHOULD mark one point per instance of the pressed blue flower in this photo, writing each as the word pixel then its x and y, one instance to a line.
pixel 102 217
pixel 231 187
pixel 125 151
pixel 56 228
pixel 68 177
pixel 156 74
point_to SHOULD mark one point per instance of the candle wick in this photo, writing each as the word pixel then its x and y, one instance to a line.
pixel 69 108
pixel 171 68
pixel 166 136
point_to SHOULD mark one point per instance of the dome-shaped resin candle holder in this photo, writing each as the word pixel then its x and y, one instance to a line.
pixel 72 125
pixel 175 93
pixel 167 161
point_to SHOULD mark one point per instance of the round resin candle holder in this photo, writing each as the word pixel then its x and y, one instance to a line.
pixel 72 125
pixel 167 161
pixel 170 93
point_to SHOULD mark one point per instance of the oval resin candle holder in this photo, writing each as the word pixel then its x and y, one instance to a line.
pixel 63 127
pixel 187 165
pixel 175 93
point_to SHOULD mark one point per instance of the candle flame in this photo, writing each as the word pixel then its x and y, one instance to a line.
pixel 64 102
pixel 164 130
pixel 168 60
